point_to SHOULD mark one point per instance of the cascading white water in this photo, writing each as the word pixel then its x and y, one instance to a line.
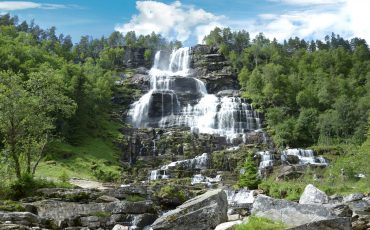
pixel 226 116
pixel 243 196
pixel 199 162
pixel 305 156
pixel 267 159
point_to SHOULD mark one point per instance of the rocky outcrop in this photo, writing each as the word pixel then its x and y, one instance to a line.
pixel 134 57
pixel 342 223
pixel 211 67
pixel 228 225
pixel 290 213
pixel 312 195
pixel 202 212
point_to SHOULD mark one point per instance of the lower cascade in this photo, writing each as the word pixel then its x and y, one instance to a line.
pixel 176 99
pixel 199 162
pixel 305 156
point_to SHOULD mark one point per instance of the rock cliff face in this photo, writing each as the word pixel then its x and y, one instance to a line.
pixel 212 68
pixel 134 57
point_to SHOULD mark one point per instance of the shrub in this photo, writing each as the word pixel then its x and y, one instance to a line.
pixel 261 223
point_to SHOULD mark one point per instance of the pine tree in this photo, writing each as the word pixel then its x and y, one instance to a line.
pixel 249 178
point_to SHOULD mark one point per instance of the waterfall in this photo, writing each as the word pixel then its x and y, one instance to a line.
pixel 305 156
pixel 197 163
pixel 267 159
pixel 177 99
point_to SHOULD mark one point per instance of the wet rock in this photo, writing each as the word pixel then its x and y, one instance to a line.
pixel 331 224
pixel 292 159
pixel 289 173
pixel 202 212
pixel 134 207
pixel 291 213
pixel 313 195
pixel 229 93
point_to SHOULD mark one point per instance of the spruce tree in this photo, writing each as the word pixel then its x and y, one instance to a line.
pixel 249 178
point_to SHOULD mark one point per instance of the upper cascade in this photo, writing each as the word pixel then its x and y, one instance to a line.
pixel 177 99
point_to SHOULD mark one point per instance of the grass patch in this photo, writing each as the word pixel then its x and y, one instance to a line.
pixel 96 157
pixel 11 206
pixel 261 223
pixel 101 214
pixel 135 198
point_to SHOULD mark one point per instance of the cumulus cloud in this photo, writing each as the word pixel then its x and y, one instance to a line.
pixel 309 19
pixel 347 18
pixel 15 5
pixel 171 20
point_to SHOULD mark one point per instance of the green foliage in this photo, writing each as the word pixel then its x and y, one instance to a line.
pixel 169 191
pixel 135 198
pixel 290 190
pixel 261 223
pixel 27 186
pixel 249 178
pixel 11 206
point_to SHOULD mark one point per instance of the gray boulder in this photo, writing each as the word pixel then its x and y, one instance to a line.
pixel 342 223
pixel 353 197
pixel 291 213
pixel 228 225
pixel 202 212
pixel 120 227
pixel 313 195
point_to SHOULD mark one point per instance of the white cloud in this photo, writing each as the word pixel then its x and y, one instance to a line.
pixel 15 5
pixel 309 19
pixel 171 20
pixel 348 19
pixel 309 2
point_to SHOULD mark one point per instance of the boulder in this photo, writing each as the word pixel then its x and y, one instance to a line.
pixel 289 172
pixel 340 210
pixel 59 210
pixel 228 225
pixel 342 223
pixel 106 199
pixel 291 213
pixel 353 197
pixel 120 227
pixel 24 218
pixel 202 212
pixel 313 195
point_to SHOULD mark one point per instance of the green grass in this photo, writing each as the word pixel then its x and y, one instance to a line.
pixel 95 158
pixel 135 198
pixel 260 223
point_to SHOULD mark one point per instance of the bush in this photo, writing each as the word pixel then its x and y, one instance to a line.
pixel 290 190
pixel 27 186
pixel 260 223
pixel 11 206
pixel 169 191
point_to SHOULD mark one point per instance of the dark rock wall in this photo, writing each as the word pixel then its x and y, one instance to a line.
pixel 212 68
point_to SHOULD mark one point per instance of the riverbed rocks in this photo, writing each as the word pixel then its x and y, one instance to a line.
pixel 202 212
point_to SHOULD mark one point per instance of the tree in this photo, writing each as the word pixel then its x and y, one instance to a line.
pixel 249 178
pixel 28 111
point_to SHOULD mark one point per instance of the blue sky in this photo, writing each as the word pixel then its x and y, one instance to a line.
pixel 190 20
